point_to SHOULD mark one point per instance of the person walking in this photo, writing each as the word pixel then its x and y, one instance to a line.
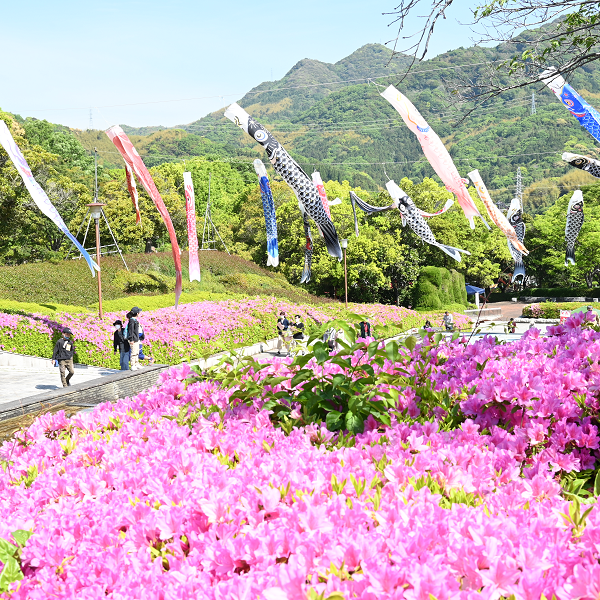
pixel 512 325
pixel 298 328
pixel 133 337
pixel 121 344
pixel 448 321
pixel 365 329
pixel 64 349
pixel 283 326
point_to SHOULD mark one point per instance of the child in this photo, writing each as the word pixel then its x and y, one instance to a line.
pixel 121 343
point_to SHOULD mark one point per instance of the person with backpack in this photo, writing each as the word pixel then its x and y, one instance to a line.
pixel 64 349
pixel 121 343
pixel 133 337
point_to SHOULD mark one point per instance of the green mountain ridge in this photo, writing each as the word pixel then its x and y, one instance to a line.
pixel 331 122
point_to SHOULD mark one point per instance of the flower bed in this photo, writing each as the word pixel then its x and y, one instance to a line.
pixel 194 330
pixel 551 310
pixel 179 493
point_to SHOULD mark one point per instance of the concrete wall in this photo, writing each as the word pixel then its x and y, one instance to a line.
pixel 123 384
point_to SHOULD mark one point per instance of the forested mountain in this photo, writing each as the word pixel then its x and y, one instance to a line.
pixel 346 130
pixel 332 119
pixel 333 122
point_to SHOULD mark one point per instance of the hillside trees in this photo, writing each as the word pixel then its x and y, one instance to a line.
pixel 533 35
pixel 546 242
pixel 25 233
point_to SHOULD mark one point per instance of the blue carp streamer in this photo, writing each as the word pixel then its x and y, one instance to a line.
pixel 269 210
pixel 584 112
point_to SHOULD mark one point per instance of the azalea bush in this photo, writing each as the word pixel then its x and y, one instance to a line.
pixel 190 491
pixel 551 310
pixel 193 330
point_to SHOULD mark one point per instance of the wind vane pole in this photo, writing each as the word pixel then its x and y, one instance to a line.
pixel 209 227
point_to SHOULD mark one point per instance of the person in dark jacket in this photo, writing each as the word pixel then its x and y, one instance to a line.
pixel 133 336
pixel 121 344
pixel 283 332
pixel 298 328
pixel 63 353
pixel 365 329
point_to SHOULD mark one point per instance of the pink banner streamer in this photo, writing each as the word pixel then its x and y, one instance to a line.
pixel 190 207
pixel 131 186
pixel 123 144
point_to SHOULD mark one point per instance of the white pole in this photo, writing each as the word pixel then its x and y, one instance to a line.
pixel 477 299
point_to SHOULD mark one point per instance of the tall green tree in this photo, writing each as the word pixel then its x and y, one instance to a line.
pixel 546 241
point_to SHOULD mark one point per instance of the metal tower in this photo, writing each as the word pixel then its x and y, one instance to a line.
pixel 519 187
pixel 533 109
pixel 210 229
pixel 91 120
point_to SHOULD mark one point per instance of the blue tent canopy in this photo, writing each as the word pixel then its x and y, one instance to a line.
pixel 471 289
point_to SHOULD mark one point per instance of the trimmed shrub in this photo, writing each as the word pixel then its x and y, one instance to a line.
pixel 438 287
pixel 138 283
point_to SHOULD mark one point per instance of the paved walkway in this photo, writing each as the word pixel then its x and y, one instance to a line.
pixel 16 383
pixel 509 309
pixel 21 383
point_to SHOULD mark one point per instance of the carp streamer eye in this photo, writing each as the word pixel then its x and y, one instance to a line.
pixel 261 136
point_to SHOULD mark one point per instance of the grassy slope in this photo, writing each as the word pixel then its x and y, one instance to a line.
pixel 70 283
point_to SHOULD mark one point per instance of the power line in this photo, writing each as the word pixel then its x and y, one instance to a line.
pixel 347 164
pixel 325 124
pixel 293 87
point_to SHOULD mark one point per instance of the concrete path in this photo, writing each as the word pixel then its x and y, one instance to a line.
pixel 509 309
pixel 16 383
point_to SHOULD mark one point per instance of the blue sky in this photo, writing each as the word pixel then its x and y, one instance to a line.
pixel 64 57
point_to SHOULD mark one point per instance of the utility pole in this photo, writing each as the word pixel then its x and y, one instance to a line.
pixel 344 245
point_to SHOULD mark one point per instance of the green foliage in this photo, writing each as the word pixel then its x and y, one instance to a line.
pixel 551 310
pixel 25 308
pixel 342 400
pixel 546 242
pixel 10 555
pixel 136 283
pixel 438 287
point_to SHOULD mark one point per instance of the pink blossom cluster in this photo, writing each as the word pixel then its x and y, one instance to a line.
pixel 171 334
pixel 178 493
pixel 534 310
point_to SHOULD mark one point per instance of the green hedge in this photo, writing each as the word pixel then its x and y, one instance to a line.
pixel 438 287
pixel 546 293
pixel 551 310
